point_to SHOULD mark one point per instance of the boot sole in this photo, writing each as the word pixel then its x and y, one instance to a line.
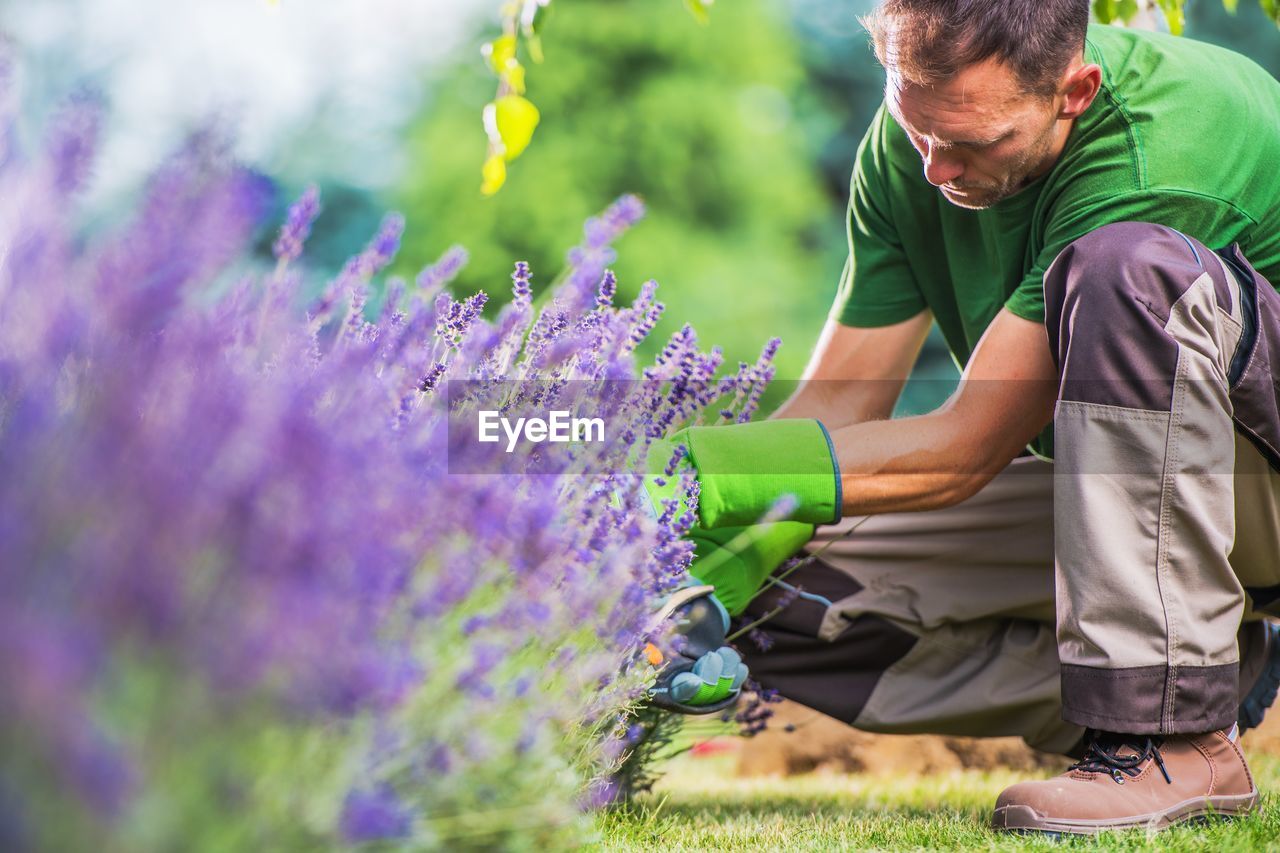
pixel 1263 693
pixel 1024 819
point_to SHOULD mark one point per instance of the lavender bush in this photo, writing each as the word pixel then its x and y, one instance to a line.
pixel 246 604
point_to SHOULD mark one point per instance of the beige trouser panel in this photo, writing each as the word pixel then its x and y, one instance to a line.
pixel 1256 555
pixel 1147 515
pixel 1117 513
pixel 973 584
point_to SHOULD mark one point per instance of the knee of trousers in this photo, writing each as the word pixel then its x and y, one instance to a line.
pixel 1108 300
pixel 790 652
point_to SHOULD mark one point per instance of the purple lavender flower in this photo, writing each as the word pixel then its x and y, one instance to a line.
pixel 297 226
pixel 73 142
pixel 677 456
pixel 587 261
pixel 520 285
pixel 454 319
pixel 428 383
pixel 608 287
pixel 761 374
pixel 375 815
pixel 781 510
pixel 444 270
pixel 760 639
pixel 753 716
pixel 239 520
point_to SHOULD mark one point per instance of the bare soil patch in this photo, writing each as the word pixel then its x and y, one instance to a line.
pixel 801 740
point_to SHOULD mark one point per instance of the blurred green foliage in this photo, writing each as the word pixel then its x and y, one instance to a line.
pixel 1179 14
pixel 1245 29
pixel 739 135
pixel 703 122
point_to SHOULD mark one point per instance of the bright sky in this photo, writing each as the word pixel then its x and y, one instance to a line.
pixel 318 86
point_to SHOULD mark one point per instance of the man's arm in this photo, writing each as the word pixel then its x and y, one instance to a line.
pixel 855 374
pixel 1005 398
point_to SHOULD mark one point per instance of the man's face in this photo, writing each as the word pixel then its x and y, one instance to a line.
pixel 981 138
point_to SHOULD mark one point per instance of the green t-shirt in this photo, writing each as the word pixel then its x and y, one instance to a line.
pixel 1183 134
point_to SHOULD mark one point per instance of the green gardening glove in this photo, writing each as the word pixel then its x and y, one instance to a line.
pixel 701 675
pixel 738 560
pixel 744 470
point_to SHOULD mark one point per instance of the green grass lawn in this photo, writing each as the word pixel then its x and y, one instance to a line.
pixel 701 805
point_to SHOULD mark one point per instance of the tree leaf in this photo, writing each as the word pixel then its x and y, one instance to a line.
pixel 493 174
pixel 513 76
pixel 515 118
pixel 500 52
pixel 1173 15
pixel 1104 10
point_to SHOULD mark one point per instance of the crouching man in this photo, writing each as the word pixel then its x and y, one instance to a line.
pixel 1080 545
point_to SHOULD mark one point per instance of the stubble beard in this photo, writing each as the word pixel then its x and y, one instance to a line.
pixel 1020 177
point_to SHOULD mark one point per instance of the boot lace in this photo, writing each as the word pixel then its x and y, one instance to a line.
pixel 1101 755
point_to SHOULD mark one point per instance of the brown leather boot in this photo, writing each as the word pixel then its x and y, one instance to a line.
pixel 1134 781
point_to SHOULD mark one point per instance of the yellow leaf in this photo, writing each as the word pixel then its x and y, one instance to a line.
pixel 493 174
pixel 500 52
pixel 1173 15
pixel 514 77
pixel 515 118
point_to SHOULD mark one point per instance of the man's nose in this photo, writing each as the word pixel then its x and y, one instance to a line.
pixel 941 167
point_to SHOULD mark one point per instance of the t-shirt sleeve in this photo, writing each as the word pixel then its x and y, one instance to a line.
pixel 1213 221
pixel 877 287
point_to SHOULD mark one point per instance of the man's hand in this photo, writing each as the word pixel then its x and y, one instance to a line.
pixel 745 470
pixel 703 675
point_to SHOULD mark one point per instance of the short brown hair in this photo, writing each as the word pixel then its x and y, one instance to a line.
pixel 927 41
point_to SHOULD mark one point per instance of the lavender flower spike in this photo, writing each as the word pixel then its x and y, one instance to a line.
pixel 608 289
pixel 442 271
pixel 382 250
pixel 520 285
pixel 297 226
pixel 621 215
pixel 374 816
pixel 74 141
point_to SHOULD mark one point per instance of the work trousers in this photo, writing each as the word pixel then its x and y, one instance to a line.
pixel 1103 589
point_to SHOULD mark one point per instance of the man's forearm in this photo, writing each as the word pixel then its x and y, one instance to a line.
pixel 1005 398
pixel 909 464
pixel 839 403
pixel 855 375
pixel 934 460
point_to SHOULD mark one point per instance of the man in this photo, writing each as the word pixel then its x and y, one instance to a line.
pixel 1102 594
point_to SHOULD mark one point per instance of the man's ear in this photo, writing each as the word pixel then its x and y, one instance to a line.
pixel 1079 88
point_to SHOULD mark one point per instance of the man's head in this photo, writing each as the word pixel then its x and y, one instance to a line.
pixel 987 90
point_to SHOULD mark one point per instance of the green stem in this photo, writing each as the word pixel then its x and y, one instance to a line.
pixel 775 579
